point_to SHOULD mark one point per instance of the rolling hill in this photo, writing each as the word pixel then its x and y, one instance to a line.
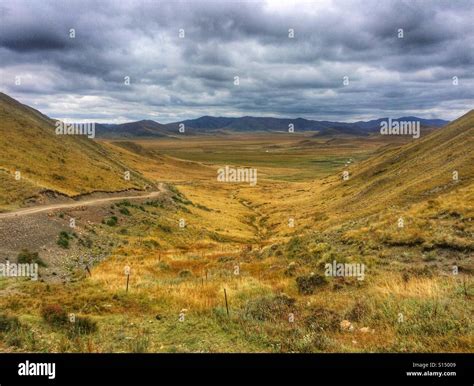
pixel 209 124
pixel 67 164
pixel 416 171
pixel 144 128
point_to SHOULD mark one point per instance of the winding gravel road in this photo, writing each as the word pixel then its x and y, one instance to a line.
pixel 91 202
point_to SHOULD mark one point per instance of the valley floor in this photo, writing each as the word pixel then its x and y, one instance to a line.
pixel 231 267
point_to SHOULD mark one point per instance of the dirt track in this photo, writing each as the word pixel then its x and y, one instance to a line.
pixel 90 202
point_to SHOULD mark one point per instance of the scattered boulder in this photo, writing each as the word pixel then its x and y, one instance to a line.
pixel 346 326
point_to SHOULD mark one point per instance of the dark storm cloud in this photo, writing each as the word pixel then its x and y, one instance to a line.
pixel 173 78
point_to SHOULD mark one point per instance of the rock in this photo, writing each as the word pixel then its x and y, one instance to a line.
pixel 346 325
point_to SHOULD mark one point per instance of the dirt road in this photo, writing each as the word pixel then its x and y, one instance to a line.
pixel 91 202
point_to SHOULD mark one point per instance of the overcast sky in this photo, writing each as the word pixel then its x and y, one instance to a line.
pixel 174 78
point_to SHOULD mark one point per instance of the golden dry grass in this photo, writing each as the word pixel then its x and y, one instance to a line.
pixel 409 270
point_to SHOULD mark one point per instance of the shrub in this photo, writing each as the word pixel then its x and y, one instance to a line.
pixel 269 307
pixel 358 312
pixel 57 317
pixel 8 323
pixel 307 284
pixel 151 244
pixel 297 248
pixel 185 273
pixel 322 319
pixel 83 325
pixel 294 247
pixel 202 207
pixel 125 211
pixel 58 177
pixel 165 228
pixel 63 240
pixel 54 315
pixel 27 257
pixel 164 266
pixel 111 221
pixel 154 203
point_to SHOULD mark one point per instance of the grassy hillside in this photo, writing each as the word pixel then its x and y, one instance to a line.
pixel 139 129
pixel 69 164
pixel 416 171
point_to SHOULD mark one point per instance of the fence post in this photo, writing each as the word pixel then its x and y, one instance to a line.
pixel 226 303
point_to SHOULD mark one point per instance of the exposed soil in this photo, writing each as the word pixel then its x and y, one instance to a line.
pixel 37 229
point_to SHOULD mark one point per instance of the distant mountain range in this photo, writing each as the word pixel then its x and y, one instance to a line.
pixel 209 124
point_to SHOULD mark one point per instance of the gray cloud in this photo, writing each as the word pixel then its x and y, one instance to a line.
pixel 175 78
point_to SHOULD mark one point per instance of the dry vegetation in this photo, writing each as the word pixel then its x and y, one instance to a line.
pixel 410 300
pixel 66 164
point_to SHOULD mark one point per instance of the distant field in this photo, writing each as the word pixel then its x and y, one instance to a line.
pixel 286 157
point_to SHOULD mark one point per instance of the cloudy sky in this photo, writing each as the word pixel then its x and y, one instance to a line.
pixel 83 77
